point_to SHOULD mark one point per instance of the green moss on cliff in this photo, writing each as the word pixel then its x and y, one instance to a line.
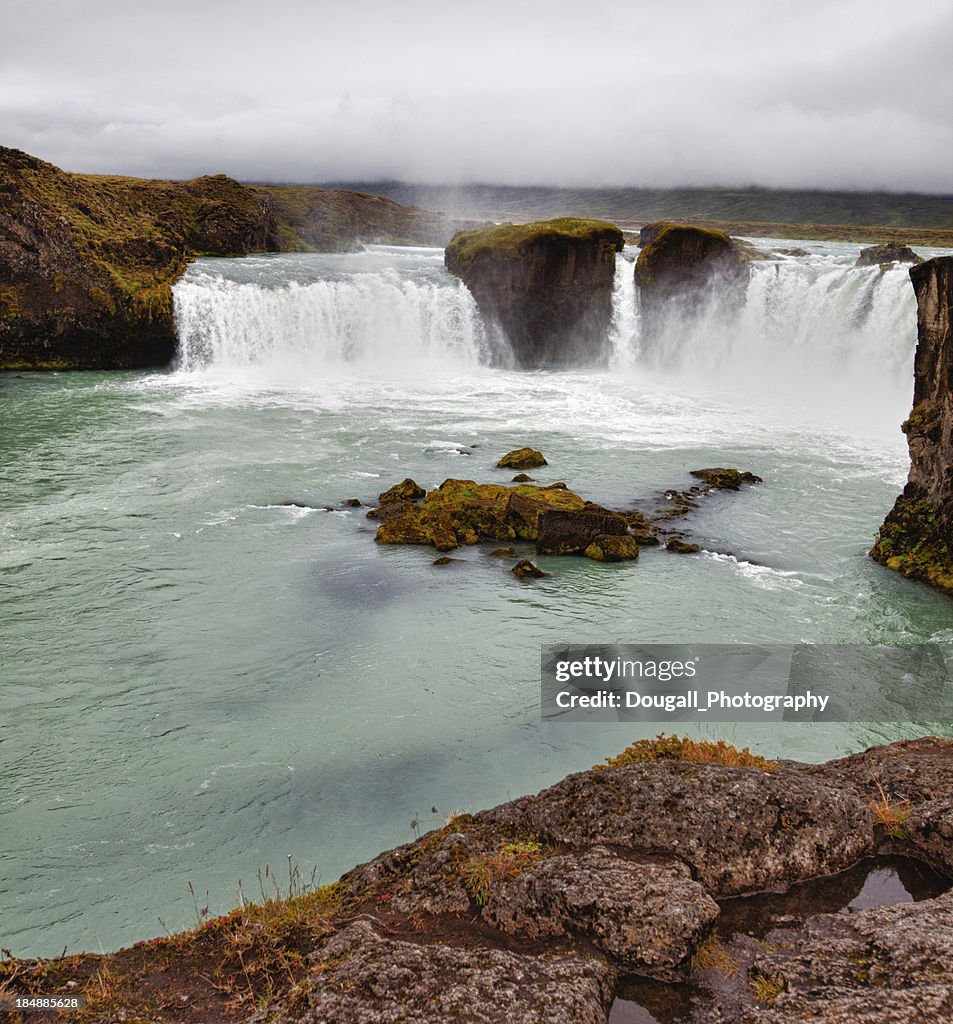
pixel 911 543
pixel 507 241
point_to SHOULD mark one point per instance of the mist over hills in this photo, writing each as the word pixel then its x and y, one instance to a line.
pixel 639 205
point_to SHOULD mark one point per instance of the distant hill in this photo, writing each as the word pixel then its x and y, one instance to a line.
pixel 914 218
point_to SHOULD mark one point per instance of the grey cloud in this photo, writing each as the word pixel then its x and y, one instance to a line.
pixel 813 93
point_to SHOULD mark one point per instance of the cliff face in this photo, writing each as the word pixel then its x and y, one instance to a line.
pixel 87 262
pixel 546 286
pixel 916 538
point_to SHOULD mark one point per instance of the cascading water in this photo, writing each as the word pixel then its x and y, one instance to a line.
pixel 805 323
pixel 383 319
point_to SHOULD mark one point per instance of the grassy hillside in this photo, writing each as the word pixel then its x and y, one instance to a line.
pixel 851 216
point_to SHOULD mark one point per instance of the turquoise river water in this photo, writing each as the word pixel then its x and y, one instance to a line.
pixel 199 679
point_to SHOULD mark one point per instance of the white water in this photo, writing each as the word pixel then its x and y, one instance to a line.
pixel 813 331
pixel 388 321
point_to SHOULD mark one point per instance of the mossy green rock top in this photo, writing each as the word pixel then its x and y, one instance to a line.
pixel 522 458
pixel 509 242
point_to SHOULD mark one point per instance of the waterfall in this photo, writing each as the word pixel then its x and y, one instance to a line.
pixel 380 320
pixel 804 325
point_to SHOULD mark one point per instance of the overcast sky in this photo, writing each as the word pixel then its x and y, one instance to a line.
pixel 799 93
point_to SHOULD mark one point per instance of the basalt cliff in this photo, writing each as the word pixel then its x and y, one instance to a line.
pixel 545 287
pixel 87 262
pixel 916 538
pixel 702 883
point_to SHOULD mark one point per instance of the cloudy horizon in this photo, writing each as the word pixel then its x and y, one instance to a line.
pixel 845 94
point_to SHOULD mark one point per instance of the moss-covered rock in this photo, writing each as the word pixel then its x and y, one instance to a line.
pixel 522 458
pixel 916 538
pixel 611 548
pixel 681 547
pixel 465 512
pixel 575 531
pixel 406 490
pixel 545 288
pixel 525 570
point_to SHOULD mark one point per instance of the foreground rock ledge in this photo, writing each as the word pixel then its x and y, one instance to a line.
pixel 546 287
pixel 916 538
pixel 533 911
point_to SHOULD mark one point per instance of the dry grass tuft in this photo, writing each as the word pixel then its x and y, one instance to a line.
pixel 681 748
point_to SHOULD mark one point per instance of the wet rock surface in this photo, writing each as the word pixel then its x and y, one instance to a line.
pixel 681 266
pixel 705 892
pixel 916 538
pixel 889 252
pixel 830 969
pixel 362 977
pixel 591 894
pixel 546 287
pixel 559 521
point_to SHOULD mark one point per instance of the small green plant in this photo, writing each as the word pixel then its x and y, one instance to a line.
pixel 766 990
pixel 512 859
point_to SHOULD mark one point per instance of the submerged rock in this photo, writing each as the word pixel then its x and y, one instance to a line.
pixel 525 569
pixel 889 252
pixel 680 547
pixel 522 458
pixel 523 478
pixel 503 553
pixel 916 538
pixel 546 286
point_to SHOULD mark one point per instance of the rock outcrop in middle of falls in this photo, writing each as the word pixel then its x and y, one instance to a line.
pixel 558 520
pixel 916 538
pixel 889 252
pixel 682 268
pixel 546 286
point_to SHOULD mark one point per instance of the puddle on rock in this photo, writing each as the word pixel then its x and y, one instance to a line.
pixel 875 882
